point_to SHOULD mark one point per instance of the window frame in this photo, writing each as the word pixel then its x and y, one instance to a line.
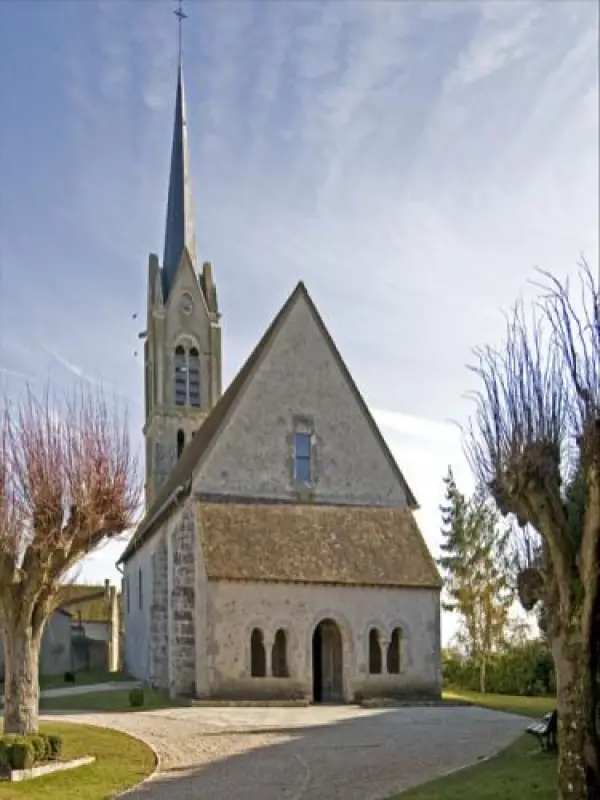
pixel 279 655
pixel 187 375
pixel 258 653
pixel 394 651
pixel 375 655
pixel 305 459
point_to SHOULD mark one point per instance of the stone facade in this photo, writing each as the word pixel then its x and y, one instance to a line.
pixel 187 627
pixel 159 616
pixel 183 320
pixel 182 617
pixel 236 608
pixel 299 385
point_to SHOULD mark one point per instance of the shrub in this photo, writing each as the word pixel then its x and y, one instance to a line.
pixel 41 749
pixel 4 754
pixel 22 754
pixel 6 743
pixel 526 669
pixel 69 677
pixel 55 746
pixel 136 698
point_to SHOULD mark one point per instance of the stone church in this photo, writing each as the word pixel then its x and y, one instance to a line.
pixel 278 556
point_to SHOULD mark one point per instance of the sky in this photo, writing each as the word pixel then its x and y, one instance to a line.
pixel 413 163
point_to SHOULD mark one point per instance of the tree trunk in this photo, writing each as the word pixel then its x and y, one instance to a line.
pixel 578 744
pixel 482 675
pixel 21 681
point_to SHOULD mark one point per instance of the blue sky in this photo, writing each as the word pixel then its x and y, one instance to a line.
pixel 411 162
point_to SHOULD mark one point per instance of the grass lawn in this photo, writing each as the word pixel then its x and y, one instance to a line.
pixel 105 701
pixel 121 762
pixel 82 679
pixel 520 771
pixel 526 706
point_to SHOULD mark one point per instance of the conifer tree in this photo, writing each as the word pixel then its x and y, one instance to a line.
pixel 476 568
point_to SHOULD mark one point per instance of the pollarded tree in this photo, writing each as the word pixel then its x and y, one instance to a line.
pixel 68 483
pixel 535 442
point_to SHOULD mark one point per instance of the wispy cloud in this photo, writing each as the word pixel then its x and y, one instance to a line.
pixel 503 36
pixel 12 373
pixel 412 162
pixel 69 366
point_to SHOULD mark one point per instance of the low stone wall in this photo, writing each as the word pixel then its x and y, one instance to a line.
pixel 16 775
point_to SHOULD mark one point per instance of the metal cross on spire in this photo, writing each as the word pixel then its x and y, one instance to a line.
pixel 181 15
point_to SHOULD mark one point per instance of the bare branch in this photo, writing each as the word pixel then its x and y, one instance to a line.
pixel 68 481
pixel 535 413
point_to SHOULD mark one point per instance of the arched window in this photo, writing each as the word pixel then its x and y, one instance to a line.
pixel 180 442
pixel 279 655
pixel 187 377
pixel 181 372
pixel 374 652
pixel 258 660
pixel 394 655
pixel 194 373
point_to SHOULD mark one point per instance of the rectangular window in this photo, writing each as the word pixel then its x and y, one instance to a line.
pixel 302 448
pixel 140 598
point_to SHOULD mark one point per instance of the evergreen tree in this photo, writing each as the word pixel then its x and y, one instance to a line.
pixel 476 569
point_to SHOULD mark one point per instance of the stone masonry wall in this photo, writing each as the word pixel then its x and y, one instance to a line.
pixel 236 608
pixel 159 618
pixel 182 605
pixel 300 387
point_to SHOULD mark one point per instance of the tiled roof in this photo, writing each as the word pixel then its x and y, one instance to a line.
pixel 315 544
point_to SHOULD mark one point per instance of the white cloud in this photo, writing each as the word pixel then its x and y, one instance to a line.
pixel 502 37
pixel 412 162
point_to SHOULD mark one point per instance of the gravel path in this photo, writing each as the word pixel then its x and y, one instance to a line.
pixel 307 753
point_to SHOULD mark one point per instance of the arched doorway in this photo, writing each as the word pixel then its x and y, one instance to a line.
pixel 327 663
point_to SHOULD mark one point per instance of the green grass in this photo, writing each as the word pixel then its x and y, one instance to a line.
pixel 105 701
pixel 525 706
pixel 121 762
pixel 82 679
pixel 520 771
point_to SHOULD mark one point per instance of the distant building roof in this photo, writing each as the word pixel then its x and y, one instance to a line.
pixel 94 609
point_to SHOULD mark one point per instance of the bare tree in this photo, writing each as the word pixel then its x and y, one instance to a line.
pixel 534 440
pixel 68 483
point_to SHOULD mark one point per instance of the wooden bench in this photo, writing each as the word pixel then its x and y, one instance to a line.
pixel 545 730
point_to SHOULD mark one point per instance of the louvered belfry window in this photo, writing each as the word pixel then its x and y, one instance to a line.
pixel 194 377
pixel 181 373
pixel 187 377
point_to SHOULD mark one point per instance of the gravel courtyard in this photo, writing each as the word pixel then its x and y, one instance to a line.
pixel 309 753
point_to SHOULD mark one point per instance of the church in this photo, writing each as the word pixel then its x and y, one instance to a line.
pixel 278 557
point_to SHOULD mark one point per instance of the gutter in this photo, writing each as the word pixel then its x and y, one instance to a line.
pixel 172 500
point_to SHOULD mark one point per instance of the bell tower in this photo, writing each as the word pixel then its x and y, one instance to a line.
pixel 182 351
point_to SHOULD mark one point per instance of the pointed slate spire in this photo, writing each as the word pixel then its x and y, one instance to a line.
pixel 179 233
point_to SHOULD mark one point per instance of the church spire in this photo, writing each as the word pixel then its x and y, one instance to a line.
pixel 179 233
